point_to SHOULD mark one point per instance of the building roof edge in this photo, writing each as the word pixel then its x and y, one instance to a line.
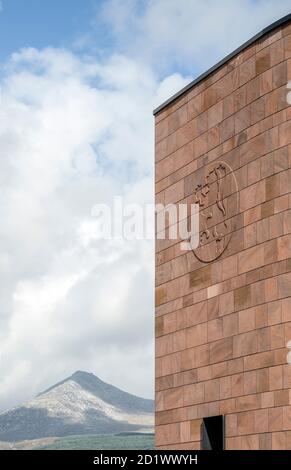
pixel 263 32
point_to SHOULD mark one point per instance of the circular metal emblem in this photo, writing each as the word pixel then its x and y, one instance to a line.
pixel 217 196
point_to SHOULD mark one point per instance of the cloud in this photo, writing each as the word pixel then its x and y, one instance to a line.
pixel 71 127
pixel 186 35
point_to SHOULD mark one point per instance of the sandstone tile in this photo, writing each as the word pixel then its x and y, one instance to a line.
pixel 159 326
pixel 188 359
pixel 229 266
pixel 274 313
pixel 237 385
pixel 194 106
pixel 226 303
pixel 250 382
pixel 228 106
pixel 267 399
pixel 230 325
pixel 226 129
pixel 185 431
pixel 286 310
pixel 227 406
pixel 262 380
pixel 195 429
pixel 284 285
pixel 233 443
pixel 285 133
pixel 246 320
pixel 242 297
pixel 247 70
pixel 258 293
pixel 174 193
pixel 209 97
pixel 212 390
pixel 286 372
pixel 272 186
pixel 276 225
pixel 280 74
pixel 276 52
pixel 252 215
pixel 204 373
pixel 221 350
pixel 277 336
pixel 247 402
pixel 271 251
pixel 287 47
pixel 161 296
pixel 275 419
pixel 242 119
pixel 266 82
pixel 271 289
pixel 177 119
pixel 264 339
pixel 193 394
pixel 253 89
pixel 167 434
pixel 196 335
pixel 263 230
pixel 231 425
pixel 254 195
pixel 225 388
pixel 215 330
pixel 245 343
pixel 173 398
pixel 250 235
pixel 279 440
pixel 287 418
pixel 215 114
pixel 202 355
pixel 265 441
pixel 261 421
pixel 188 377
pixel 250 442
pixel 276 377
pixel 213 308
pixel 281 397
pixel 245 423
pixel 251 258
pixel 287 222
pixel 262 61
pixel 219 369
pixel 240 98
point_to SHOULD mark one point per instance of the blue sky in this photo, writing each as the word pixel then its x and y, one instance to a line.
pixel 78 82
pixel 35 23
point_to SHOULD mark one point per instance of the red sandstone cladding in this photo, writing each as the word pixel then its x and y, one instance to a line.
pixel 222 327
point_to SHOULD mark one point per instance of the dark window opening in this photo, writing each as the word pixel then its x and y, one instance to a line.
pixel 213 433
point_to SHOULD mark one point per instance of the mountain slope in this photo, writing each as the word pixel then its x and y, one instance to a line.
pixel 80 404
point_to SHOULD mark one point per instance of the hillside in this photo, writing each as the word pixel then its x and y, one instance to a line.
pixel 80 404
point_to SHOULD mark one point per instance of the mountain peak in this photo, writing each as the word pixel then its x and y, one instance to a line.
pixel 82 374
pixel 79 404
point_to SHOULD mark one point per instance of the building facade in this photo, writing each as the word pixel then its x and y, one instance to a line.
pixel 223 310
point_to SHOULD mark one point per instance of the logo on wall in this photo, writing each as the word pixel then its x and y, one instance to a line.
pixel 217 196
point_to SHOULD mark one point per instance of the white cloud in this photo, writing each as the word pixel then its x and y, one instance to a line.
pixel 189 34
pixel 70 128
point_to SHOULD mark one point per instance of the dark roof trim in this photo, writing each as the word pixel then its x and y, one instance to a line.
pixel 215 67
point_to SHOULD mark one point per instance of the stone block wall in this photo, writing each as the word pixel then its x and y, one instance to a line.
pixel 223 312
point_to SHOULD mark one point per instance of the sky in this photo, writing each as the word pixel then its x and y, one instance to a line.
pixel 78 82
